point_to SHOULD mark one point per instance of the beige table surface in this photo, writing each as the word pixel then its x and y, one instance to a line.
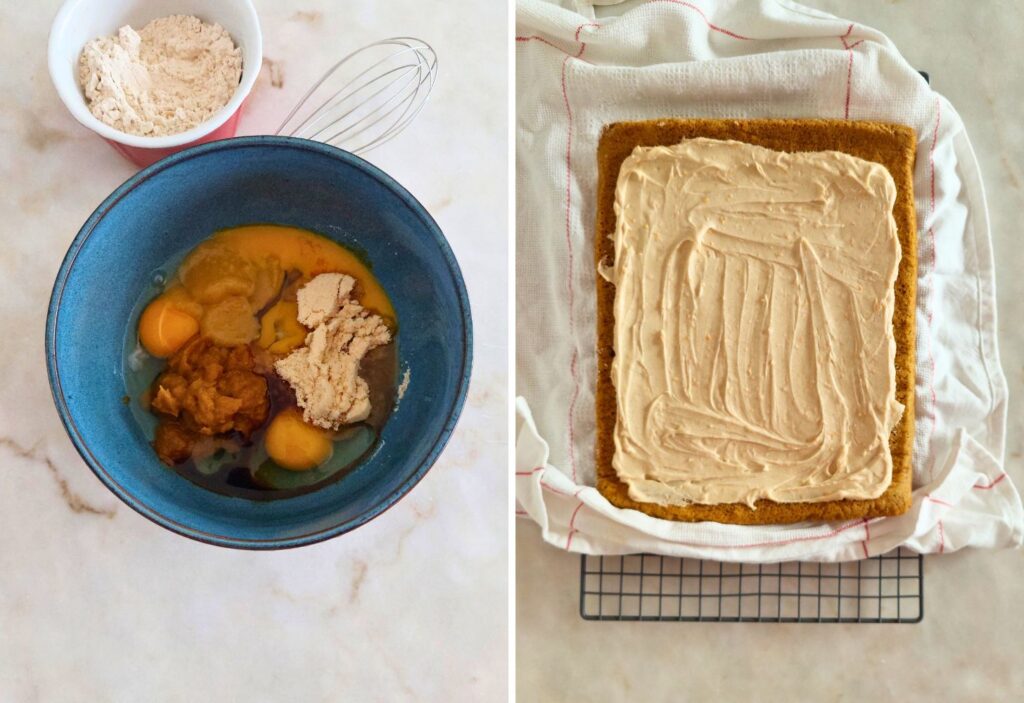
pixel 970 646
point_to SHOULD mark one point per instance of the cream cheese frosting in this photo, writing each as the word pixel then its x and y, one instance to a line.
pixel 754 352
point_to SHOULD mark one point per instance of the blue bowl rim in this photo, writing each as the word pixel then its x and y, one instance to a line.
pixel 52 320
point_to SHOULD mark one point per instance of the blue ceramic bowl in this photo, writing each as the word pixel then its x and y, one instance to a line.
pixel 165 210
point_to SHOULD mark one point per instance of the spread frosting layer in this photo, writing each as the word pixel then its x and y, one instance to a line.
pixel 754 353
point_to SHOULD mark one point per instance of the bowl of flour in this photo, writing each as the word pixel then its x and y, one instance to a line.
pixel 153 77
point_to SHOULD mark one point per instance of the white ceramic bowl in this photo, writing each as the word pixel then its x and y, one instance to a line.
pixel 79 21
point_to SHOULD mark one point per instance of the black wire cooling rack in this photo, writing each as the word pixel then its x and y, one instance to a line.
pixel 647 587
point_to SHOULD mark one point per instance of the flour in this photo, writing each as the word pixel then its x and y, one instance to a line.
pixel 168 77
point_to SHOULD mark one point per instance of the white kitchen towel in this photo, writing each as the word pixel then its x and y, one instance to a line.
pixel 579 67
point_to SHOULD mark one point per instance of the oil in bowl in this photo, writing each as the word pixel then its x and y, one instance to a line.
pixel 263 363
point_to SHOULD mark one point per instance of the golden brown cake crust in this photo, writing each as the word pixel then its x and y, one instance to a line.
pixel 893 146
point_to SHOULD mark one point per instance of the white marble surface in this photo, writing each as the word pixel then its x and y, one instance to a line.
pixel 969 646
pixel 98 604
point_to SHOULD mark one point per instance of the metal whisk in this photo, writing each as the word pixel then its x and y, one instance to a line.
pixel 368 97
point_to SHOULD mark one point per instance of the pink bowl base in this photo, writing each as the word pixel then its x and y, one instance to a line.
pixel 143 156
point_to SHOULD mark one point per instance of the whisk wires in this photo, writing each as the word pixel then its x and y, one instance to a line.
pixel 368 97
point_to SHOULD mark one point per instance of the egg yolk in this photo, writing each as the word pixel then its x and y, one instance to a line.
pixel 296 445
pixel 164 328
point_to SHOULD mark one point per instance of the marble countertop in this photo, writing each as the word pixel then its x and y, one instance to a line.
pixel 968 646
pixel 98 604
